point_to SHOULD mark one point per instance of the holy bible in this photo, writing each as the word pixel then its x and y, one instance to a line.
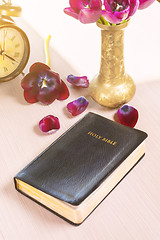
pixel 77 171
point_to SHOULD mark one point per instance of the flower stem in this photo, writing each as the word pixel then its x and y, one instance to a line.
pixel 47 50
pixel 103 20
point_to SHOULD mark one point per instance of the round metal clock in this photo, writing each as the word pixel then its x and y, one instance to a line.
pixel 14 44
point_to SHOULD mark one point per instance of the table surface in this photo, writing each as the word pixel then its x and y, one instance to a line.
pixel 131 211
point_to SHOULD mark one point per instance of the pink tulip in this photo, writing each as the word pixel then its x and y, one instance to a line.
pixel 84 10
pixel 118 10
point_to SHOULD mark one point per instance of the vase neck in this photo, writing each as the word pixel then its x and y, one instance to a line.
pixel 112 56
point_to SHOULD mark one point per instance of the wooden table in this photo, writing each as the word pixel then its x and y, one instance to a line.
pixel 131 211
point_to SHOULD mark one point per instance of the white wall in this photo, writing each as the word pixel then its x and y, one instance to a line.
pixel 79 44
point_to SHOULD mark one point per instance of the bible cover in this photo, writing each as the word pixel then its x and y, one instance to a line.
pixel 77 171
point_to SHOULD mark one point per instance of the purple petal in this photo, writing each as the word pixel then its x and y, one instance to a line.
pixel 49 123
pixel 78 106
pixel 145 3
pixel 110 17
pixel 78 81
pixel 128 116
pixel 69 11
pixel 89 15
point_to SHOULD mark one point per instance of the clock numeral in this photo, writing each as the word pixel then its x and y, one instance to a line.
pixel 5 69
pixel 13 38
pixel 17 45
pixel 16 54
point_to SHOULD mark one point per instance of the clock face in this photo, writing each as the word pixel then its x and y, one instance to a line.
pixel 14 52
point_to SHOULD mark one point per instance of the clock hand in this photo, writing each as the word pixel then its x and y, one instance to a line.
pixel 9 57
pixel 3 49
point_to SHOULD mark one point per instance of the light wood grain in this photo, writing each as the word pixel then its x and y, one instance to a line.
pixel 130 212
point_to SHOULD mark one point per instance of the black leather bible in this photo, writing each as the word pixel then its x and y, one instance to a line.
pixel 77 171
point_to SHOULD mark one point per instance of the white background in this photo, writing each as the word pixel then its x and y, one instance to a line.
pixel 79 44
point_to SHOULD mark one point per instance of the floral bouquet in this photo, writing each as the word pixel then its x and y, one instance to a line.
pixel 112 87
pixel 110 12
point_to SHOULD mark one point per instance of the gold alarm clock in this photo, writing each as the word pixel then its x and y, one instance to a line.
pixel 14 44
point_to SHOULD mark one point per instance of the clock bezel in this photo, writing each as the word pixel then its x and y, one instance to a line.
pixel 26 54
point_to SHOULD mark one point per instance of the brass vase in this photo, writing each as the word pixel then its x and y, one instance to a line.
pixel 112 87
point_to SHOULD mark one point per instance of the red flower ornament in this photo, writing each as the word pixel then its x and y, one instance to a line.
pixel 44 85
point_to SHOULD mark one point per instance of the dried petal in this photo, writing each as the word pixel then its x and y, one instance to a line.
pixel 78 81
pixel 77 106
pixel 49 124
pixel 128 116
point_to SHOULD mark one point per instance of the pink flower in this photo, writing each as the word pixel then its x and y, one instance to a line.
pixel 78 81
pixel 49 124
pixel 44 85
pixel 145 3
pixel 127 115
pixel 118 10
pixel 86 11
pixel 77 106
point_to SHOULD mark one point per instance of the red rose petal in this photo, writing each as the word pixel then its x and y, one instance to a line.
pixel 128 116
pixel 49 123
pixel 77 106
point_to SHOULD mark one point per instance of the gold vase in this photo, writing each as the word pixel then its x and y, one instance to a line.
pixel 112 87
